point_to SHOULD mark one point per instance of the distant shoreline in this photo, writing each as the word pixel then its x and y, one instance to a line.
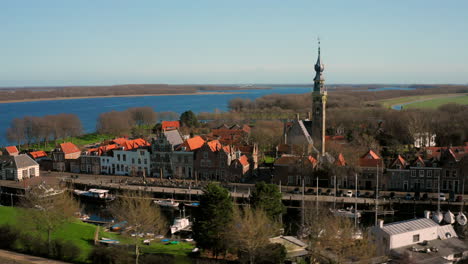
pixel 110 96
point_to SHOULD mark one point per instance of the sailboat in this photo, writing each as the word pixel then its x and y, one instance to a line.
pixel 461 217
pixel 449 217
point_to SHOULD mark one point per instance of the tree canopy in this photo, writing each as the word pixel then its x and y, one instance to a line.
pixel 189 119
pixel 268 198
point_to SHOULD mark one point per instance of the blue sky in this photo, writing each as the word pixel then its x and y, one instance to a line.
pixel 253 41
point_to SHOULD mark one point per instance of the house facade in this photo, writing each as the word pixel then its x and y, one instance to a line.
pixel 18 168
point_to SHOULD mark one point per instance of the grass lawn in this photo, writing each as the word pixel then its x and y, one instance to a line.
pixel 79 141
pixel 439 101
pixel 407 99
pixel 82 235
pixel 269 159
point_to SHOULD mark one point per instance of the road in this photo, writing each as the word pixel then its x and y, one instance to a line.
pixel 9 257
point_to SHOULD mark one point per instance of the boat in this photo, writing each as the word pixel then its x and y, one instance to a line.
pixel 437 217
pixel 180 223
pixel 99 195
pixel 461 219
pixel 118 226
pixel 348 212
pixel 167 203
pixel 449 217
pixel 193 204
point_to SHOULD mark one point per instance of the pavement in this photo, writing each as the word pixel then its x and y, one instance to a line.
pixel 9 257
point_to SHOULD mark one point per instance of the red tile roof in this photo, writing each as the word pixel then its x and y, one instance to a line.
pixel 370 159
pixel 68 148
pixel 312 160
pixel 170 125
pixel 134 143
pixel 12 150
pixel 214 145
pixel 120 141
pixel 38 154
pixel 193 143
pixel 244 160
pixel 419 160
pixel 340 161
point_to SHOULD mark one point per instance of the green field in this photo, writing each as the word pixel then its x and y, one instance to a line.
pixel 434 103
pixel 446 98
pixel 82 235
pixel 79 141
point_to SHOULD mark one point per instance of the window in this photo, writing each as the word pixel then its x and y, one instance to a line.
pixel 428 184
pixel 25 173
pixel 142 153
pixel 454 173
pixel 32 172
pixel 413 173
pixel 133 160
pixel 179 159
pixel 118 157
pixel 290 179
pixel 429 173
pixel 124 157
pixel 186 159
pixel 437 173
pixel 416 238
pixel 421 173
pixel 447 173
pixel 139 161
pixel 145 161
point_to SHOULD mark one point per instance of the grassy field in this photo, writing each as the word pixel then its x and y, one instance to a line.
pixel 434 103
pixel 408 99
pixel 79 141
pixel 82 235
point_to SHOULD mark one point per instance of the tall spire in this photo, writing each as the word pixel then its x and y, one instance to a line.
pixel 319 67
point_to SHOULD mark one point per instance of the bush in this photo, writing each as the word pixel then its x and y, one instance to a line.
pixel 34 245
pixel 64 250
pixel 8 237
pixel 272 254
pixel 110 255
pixel 159 258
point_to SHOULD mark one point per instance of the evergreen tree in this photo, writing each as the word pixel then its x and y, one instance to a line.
pixel 189 119
pixel 267 197
pixel 214 216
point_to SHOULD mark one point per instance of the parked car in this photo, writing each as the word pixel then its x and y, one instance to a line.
pixel 296 191
pixel 459 198
pixel 408 196
pixel 392 195
pixel 349 194
pixel 319 191
pixel 425 197
pixel 310 191
pixel 442 197
pixel 339 193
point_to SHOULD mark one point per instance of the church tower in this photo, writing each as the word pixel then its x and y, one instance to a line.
pixel 319 101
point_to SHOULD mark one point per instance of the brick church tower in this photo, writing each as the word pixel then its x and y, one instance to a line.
pixel 319 102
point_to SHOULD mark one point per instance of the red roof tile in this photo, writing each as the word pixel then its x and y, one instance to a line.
pixel 68 148
pixel 193 143
pixel 244 160
pixel 38 154
pixel 370 159
pixel 214 145
pixel 12 150
pixel 119 141
pixel 340 161
pixel 420 161
pixel 170 125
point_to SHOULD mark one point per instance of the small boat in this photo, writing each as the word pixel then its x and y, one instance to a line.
pixel 108 241
pixel 348 212
pixel 180 223
pixel 167 203
pixel 118 226
pixel 99 195
pixel 194 204
pixel 461 219
pixel 437 217
pixel 449 217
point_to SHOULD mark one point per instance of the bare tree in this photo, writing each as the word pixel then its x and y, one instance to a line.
pixel 142 217
pixel 115 123
pixel 143 115
pixel 250 231
pixel 50 210
pixel 15 133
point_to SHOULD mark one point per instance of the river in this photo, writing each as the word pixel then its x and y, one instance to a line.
pixel 89 109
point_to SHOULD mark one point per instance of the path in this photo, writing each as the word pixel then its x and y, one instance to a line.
pixel 9 257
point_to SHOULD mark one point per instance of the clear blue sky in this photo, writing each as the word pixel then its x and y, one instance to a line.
pixel 196 41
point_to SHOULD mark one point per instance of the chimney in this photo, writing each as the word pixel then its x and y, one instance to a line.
pixel 309 116
pixel 381 221
pixel 427 214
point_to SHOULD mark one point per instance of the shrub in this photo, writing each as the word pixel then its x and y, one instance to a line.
pixel 8 237
pixel 110 255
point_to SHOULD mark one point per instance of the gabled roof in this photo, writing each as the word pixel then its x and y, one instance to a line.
pixel 340 161
pixel 408 226
pixel 193 143
pixel 419 160
pixel 12 150
pixel 38 154
pixel 400 160
pixel 214 145
pixel 68 148
pixel 119 141
pixel 174 138
pixel 370 159
pixel 170 125
pixel 244 160
pixel 18 162
pixel 135 143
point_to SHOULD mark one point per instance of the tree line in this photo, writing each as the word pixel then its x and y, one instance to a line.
pixel 34 129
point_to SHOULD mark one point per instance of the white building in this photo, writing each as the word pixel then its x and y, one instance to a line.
pixel 417 237
pixel 18 167
pixel 133 162
pixel 424 140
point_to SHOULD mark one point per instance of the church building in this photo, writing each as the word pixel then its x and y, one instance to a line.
pixel 310 133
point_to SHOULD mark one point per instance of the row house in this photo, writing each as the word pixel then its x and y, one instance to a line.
pixel 18 167
pixel 162 151
pixel 10 151
pixel 129 158
pixel 63 155
pixel 291 169
pixel 371 166
pixel 231 135
pixel 212 161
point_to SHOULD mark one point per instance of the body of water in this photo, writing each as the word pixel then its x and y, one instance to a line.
pixel 89 109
